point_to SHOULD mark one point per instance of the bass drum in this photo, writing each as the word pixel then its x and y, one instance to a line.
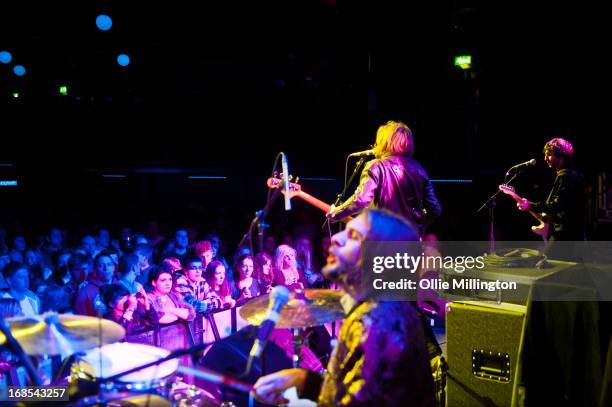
pixel 229 357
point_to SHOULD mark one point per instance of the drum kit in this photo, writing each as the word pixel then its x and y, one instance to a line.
pixel 99 369
pixel 305 309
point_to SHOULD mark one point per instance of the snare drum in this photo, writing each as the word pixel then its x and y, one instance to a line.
pixel 114 358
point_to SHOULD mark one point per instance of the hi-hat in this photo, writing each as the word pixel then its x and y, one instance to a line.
pixel 308 308
pixel 65 334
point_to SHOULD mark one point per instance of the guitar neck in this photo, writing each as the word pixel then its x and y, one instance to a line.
pixel 537 216
pixel 317 203
pixel 314 201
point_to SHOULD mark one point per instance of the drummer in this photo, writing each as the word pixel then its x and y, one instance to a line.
pixel 381 357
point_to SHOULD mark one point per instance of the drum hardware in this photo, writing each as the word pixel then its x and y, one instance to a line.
pixel 305 309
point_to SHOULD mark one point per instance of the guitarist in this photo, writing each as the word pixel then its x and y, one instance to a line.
pixel 565 203
pixel 393 181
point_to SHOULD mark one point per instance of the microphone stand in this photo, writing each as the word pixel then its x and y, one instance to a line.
pixel 491 202
pixel 173 355
pixel 206 374
pixel 258 221
pixel 260 215
pixel 261 226
pixel 350 181
pixel 260 355
pixel 347 184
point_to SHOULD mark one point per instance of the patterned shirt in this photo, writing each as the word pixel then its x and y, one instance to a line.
pixel 380 359
pixel 198 294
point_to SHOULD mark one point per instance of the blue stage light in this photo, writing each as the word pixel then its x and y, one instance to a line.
pixel 19 70
pixel 104 22
pixel 123 60
pixel 5 57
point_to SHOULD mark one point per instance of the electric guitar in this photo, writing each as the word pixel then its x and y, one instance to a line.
pixel 543 228
pixel 295 190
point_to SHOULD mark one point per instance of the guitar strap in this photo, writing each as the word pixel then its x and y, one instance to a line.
pixel 554 189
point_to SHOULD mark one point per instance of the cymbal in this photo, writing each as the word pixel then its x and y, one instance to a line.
pixel 311 307
pixel 55 334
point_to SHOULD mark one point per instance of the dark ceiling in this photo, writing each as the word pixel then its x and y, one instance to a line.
pixel 219 88
pixel 227 85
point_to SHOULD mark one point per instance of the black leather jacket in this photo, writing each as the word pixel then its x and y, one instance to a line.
pixel 398 184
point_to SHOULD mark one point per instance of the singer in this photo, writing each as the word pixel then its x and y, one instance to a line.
pixel 565 202
pixel 381 358
pixel 393 181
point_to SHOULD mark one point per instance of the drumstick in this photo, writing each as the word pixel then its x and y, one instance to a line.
pixel 212 376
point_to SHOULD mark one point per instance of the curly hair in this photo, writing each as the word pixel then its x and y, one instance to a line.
pixel 560 148
pixel 202 246
pixel 282 251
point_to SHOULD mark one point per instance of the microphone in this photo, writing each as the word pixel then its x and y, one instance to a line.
pixel 286 182
pixel 521 165
pixel 279 296
pixel 362 153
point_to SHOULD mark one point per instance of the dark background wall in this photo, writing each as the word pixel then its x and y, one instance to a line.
pixel 220 89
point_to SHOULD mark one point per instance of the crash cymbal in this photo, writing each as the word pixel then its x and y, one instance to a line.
pixel 307 308
pixel 55 334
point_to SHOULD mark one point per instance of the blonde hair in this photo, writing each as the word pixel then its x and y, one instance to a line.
pixel 282 251
pixel 393 138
